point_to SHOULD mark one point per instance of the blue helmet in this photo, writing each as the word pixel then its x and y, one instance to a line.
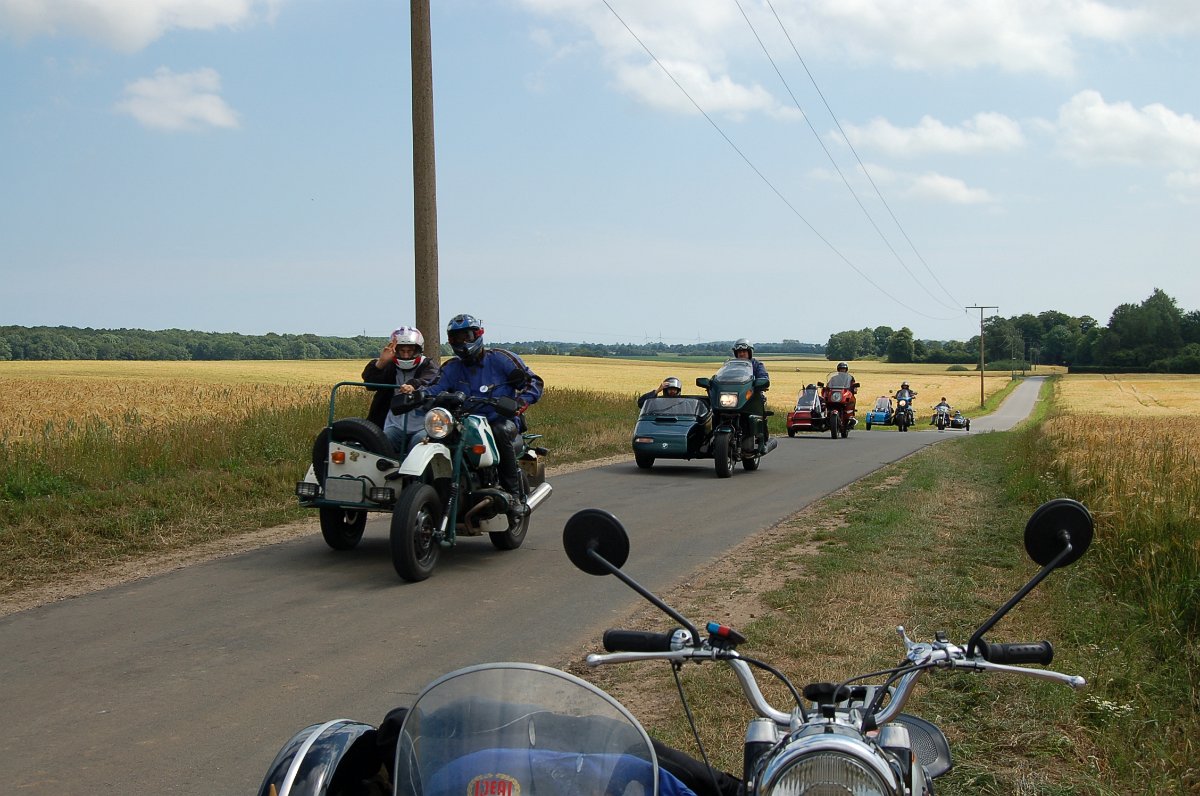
pixel 465 335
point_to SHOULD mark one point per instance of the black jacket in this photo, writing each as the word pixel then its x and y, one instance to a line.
pixel 422 375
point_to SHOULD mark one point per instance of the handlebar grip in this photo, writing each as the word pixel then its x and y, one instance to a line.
pixel 1023 652
pixel 637 641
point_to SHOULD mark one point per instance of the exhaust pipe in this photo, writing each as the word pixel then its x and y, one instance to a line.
pixel 771 444
pixel 538 495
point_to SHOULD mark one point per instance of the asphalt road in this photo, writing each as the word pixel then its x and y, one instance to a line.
pixel 190 681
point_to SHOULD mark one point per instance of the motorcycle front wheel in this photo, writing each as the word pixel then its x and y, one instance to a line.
pixel 415 522
pixel 725 452
pixel 834 418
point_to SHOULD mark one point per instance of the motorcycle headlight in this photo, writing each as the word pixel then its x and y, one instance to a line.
pixel 828 765
pixel 438 423
pixel 729 400
pixel 836 396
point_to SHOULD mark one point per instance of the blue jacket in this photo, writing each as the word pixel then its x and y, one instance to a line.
pixel 498 373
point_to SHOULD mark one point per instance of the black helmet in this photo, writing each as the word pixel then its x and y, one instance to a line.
pixel 466 346
pixel 843 366
pixel 672 383
pixel 743 345
pixel 904 385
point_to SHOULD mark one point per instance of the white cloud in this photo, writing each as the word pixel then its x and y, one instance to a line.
pixel 178 101
pixel 126 25
pixel 984 132
pixel 939 187
pixel 718 94
pixel 1091 130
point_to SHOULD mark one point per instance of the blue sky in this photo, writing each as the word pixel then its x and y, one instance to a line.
pixel 245 165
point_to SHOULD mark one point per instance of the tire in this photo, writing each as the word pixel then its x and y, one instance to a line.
pixel 845 431
pixel 833 425
pixel 751 464
pixel 515 535
pixel 644 460
pixel 354 431
pixel 724 452
pixel 342 528
pixel 868 425
pixel 791 432
pixel 415 519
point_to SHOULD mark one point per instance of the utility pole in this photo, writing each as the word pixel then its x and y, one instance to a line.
pixel 981 309
pixel 425 249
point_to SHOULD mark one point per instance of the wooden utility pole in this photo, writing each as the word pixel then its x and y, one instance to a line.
pixel 981 309
pixel 425 260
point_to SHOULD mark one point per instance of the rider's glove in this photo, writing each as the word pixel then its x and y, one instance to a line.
pixel 522 405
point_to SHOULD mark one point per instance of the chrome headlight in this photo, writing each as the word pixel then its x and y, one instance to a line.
pixel 728 400
pixel 438 423
pixel 828 765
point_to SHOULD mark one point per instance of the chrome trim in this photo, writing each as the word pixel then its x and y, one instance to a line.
pixel 285 787
pixel 863 751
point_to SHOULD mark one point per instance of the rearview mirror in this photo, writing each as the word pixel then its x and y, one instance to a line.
pixel 1055 524
pixel 595 530
pixel 702 381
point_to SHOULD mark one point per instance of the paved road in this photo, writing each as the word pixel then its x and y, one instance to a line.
pixel 189 682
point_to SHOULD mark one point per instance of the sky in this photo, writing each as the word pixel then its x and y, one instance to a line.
pixel 607 170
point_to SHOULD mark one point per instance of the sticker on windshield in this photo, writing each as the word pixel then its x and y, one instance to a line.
pixel 494 785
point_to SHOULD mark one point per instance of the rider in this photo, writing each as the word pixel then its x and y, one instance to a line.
pixel 905 392
pixel 670 388
pixel 744 349
pixel 491 373
pixel 401 362
pixel 843 368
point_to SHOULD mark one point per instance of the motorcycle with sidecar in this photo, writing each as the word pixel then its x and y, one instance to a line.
pixel 809 413
pixel 739 416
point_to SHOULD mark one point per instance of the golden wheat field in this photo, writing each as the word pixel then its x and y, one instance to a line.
pixel 1146 395
pixel 40 398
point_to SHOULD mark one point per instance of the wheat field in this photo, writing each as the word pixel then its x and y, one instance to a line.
pixel 39 400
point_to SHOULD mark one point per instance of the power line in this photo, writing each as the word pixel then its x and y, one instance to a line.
pixel 833 162
pixel 762 176
pixel 862 165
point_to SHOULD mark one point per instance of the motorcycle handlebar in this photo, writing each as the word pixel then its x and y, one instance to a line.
pixel 1040 652
pixel 637 641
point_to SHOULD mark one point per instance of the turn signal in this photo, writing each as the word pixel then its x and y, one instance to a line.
pixel 338 457
pixel 478 450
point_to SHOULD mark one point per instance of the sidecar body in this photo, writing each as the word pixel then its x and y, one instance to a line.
pixel 673 428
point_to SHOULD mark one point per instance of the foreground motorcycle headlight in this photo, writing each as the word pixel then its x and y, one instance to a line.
pixel 438 423
pixel 729 400
pixel 836 396
pixel 828 765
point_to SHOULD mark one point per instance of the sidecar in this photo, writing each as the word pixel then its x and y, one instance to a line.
pixel 809 414
pixel 959 420
pixel 881 414
pixel 673 428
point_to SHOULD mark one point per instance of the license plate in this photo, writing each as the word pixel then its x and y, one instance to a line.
pixel 348 490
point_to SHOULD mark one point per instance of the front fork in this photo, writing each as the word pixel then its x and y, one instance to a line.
pixel 446 533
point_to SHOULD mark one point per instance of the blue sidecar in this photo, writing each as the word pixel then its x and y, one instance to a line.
pixel 672 428
pixel 881 414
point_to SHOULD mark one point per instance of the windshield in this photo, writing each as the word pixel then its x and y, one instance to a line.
pixel 516 729
pixel 839 380
pixel 882 404
pixel 807 398
pixel 735 370
pixel 689 407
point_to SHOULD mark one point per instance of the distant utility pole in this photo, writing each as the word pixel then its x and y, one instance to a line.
pixel 981 309
pixel 425 259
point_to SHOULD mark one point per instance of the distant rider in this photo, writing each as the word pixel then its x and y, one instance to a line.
pixel 401 362
pixel 936 407
pixel 491 373
pixel 906 393
pixel 670 388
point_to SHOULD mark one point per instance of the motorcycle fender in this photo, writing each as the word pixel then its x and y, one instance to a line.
pixel 478 431
pixel 306 764
pixel 427 455
pixel 725 426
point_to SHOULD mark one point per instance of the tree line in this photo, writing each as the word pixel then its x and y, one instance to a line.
pixel 66 342
pixel 1155 335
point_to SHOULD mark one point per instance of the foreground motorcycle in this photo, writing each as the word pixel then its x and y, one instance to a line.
pixel 739 417
pixel 838 392
pixel 510 728
pixel 452 485
pixel 941 417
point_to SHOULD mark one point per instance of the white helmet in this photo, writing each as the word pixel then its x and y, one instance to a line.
pixel 409 335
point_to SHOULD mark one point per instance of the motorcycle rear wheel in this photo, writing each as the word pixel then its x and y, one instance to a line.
pixel 724 451
pixel 515 535
pixel 415 520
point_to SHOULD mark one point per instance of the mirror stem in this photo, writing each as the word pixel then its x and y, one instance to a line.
pixel 1016 598
pixel 662 606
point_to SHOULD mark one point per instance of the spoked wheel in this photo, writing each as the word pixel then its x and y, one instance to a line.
pixel 833 425
pixel 725 452
pixel 515 535
pixel 342 528
pixel 415 521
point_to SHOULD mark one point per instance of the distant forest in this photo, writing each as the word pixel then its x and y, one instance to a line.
pixel 65 342
pixel 1155 335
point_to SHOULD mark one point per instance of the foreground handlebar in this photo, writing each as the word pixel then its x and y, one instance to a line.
pixel 1040 652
